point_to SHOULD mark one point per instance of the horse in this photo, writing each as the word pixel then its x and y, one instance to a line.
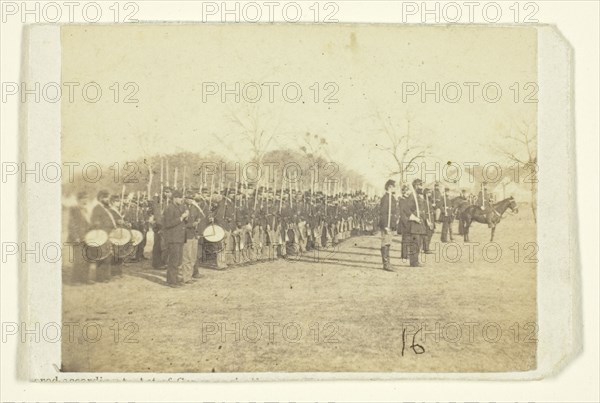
pixel 490 216
pixel 457 205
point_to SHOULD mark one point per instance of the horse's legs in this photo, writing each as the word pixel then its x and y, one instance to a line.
pixel 493 230
pixel 466 225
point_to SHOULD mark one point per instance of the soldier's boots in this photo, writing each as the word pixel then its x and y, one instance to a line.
pixel 385 257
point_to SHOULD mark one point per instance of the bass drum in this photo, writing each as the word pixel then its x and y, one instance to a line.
pixel 96 246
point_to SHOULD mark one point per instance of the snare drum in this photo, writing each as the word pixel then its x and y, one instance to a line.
pixel 136 237
pixel 96 246
pixel 121 240
pixel 213 237
pixel 213 233
pixel 120 236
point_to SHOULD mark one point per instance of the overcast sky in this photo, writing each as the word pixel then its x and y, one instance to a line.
pixel 172 65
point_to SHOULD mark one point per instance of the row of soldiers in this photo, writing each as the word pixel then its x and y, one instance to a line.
pixel 256 225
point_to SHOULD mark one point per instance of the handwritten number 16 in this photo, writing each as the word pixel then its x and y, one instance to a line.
pixel 416 348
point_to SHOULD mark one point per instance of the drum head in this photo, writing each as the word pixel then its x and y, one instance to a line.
pixel 136 237
pixel 120 236
pixel 213 233
pixel 95 237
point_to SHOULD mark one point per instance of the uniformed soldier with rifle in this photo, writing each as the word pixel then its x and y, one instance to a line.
pixel 387 222
pixel 447 217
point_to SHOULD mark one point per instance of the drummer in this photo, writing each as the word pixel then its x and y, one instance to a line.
pixel 103 219
pixel 224 218
pixel 115 206
pixel 78 227
pixel 135 214
pixel 202 200
pixel 190 246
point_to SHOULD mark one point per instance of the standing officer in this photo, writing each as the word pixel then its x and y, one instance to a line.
pixel 447 216
pixel 174 220
pixel 417 230
pixel 403 223
pixel 159 249
pixel 436 202
pixel 464 203
pixel 388 212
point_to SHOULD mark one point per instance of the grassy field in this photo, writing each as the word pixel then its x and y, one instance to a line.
pixel 335 311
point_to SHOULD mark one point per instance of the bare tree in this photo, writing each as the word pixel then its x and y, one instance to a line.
pixel 257 131
pixel 519 145
pixel 313 146
pixel 401 144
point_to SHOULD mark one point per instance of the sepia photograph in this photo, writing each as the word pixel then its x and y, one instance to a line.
pixel 307 198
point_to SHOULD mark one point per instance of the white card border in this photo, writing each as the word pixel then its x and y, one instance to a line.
pixel 559 310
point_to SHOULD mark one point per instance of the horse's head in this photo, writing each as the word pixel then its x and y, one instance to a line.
pixel 513 205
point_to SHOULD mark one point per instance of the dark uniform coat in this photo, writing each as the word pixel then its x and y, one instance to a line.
pixel 102 219
pixel 78 225
pixel 173 230
pixel 404 213
pixel 417 228
pixel 388 211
